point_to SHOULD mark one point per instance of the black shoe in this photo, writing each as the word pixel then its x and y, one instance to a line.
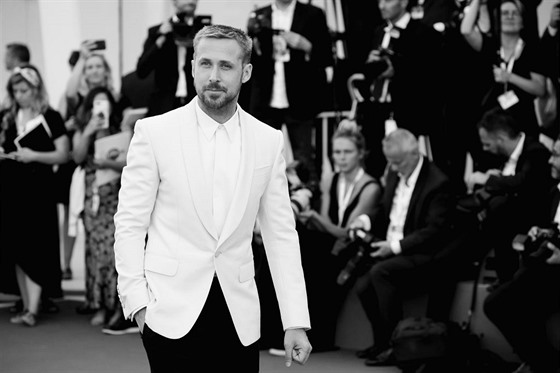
pixel 17 307
pixel 370 352
pixel 48 306
pixel 494 285
pixel 384 359
pixel 122 327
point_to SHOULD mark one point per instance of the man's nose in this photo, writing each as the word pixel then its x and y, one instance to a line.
pixel 214 74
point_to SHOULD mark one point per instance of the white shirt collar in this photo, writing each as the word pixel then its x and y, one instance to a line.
pixel 289 9
pixel 518 149
pixel 209 125
pixel 411 181
pixel 403 21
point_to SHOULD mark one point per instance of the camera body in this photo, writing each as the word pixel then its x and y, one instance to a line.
pixel 300 199
pixel 185 27
pixel 361 261
pixel 375 68
pixel 536 251
pixel 259 23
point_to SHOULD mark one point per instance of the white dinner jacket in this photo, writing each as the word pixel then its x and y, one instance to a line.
pixel 164 196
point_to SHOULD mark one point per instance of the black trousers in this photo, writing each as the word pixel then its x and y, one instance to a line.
pixel 212 345
pixel 381 291
pixel 520 308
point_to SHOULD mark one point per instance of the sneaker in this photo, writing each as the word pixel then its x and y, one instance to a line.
pixel 277 352
pixel 122 327
pixel 24 318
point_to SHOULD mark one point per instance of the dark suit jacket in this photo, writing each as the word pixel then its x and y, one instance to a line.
pixel 530 184
pixel 416 87
pixel 163 62
pixel 306 85
pixel 427 224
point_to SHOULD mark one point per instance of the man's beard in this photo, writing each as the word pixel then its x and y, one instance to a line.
pixel 218 103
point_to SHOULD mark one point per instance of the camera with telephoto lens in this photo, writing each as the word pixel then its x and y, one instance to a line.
pixel 361 261
pixel 536 250
pixel 259 23
pixel 375 68
pixel 185 27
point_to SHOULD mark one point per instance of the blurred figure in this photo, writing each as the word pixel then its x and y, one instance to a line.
pixel 401 85
pixel 521 307
pixel 29 239
pixel 292 59
pixel 550 45
pixel 90 71
pixel 515 191
pixel 168 52
pixel 16 54
pixel 517 66
pixel 99 207
pixel 411 224
pixel 324 235
pixel 63 175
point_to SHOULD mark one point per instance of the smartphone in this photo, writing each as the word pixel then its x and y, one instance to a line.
pixel 98 45
pixel 101 109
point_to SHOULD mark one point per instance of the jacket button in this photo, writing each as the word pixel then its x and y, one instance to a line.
pixel 218 253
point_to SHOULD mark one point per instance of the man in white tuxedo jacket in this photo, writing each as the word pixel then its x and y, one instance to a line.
pixel 196 180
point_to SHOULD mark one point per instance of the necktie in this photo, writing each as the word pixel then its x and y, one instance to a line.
pixel 223 185
pixel 182 82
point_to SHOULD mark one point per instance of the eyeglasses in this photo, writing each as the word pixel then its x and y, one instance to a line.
pixel 510 13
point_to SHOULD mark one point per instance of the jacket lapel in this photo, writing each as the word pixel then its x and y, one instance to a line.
pixel 200 192
pixel 244 179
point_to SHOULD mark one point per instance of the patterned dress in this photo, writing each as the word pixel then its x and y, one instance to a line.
pixel 101 275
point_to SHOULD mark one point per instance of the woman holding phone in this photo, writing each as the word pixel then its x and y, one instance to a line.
pixel 32 140
pixel 97 120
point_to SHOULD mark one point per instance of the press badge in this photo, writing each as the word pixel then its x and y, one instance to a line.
pixel 390 126
pixel 417 12
pixel 508 99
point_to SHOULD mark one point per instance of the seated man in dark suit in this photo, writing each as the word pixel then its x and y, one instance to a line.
pixel 521 307
pixel 515 192
pixel 412 223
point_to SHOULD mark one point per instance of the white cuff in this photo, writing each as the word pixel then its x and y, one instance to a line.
pixel 396 247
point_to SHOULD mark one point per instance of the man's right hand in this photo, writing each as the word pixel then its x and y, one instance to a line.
pixel 140 318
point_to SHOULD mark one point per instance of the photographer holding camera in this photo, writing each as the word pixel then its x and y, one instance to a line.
pixel 521 307
pixel 402 81
pixel 515 191
pixel 168 52
pixel 413 224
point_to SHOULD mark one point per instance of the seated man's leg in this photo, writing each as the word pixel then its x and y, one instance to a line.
pixel 380 292
pixel 519 309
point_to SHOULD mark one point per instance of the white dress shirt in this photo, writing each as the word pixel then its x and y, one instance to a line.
pixel 511 164
pixel 281 20
pixel 207 140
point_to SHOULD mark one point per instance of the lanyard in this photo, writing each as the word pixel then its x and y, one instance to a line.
pixel 345 193
pixel 508 65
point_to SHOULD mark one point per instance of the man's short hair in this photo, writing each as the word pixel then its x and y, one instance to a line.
pixel 401 140
pixel 226 32
pixel 497 120
pixel 19 51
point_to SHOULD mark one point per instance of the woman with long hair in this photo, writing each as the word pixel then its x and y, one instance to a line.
pixel 516 65
pixel 28 216
pixel 100 205
pixel 324 236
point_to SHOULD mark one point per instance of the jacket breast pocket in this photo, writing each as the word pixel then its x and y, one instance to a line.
pixel 261 175
pixel 161 264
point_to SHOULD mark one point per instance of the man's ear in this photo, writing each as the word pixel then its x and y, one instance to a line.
pixel 192 67
pixel 247 71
